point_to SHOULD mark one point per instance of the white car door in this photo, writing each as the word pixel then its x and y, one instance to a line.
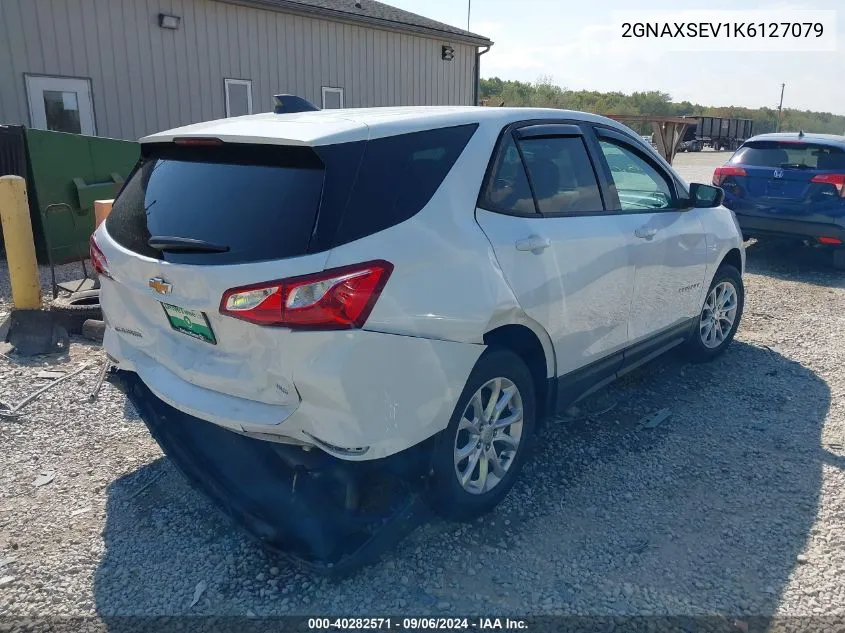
pixel 670 249
pixel 565 257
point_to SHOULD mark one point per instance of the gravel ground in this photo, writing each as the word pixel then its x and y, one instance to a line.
pixel 735 504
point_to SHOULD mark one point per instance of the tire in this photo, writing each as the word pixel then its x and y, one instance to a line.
pixel 839 259
pixel 71 312
pixel 706 344
pixel 445 492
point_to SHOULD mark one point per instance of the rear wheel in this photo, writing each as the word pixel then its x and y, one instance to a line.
pixel 478 457
pixel 719 317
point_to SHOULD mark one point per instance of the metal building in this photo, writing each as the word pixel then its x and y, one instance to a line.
pixel 127 68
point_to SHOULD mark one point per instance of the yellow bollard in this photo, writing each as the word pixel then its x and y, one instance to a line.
pixel 20 244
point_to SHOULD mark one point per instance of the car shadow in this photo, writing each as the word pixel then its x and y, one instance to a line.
pixel 709 510
pixel 793 261
pixel 705 513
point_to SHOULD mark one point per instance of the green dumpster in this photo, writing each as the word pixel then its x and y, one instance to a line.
pixel 65 174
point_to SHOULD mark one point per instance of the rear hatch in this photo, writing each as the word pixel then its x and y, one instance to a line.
pixel 785 179
pixel 205 227
pixel 192 222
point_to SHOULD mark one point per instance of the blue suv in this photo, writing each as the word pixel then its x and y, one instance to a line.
pixel 789 185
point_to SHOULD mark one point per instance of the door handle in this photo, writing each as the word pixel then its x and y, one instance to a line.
pixel 645 233
pixel 534 243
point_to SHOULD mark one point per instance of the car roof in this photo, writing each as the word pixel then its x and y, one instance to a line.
pixel 820 139
pixel 325 127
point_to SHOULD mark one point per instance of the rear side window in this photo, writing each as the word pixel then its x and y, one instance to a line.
pixel 507 188
pixel 562 175
pixel 398 176
pixel 789 155
pixel 560 171
pixel 259 202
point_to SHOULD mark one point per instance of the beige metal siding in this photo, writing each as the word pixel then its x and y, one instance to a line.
pixel 145 78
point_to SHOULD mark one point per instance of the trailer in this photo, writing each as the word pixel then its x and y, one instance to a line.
pixel 691 141
pixel 667 132
pixel 721 133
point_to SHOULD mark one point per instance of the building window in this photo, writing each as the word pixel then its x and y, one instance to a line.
pixel 332 98
pixel 62 104
pixel 238 97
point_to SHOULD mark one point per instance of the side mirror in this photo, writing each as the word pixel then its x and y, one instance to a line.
pixel 705 196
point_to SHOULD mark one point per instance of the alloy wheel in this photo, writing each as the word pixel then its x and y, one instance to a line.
pixel 719 315
pixel 488 437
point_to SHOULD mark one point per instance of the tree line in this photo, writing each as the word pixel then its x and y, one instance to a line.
pixel 545 94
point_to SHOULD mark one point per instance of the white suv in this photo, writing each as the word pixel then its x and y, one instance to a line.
pixel 369 283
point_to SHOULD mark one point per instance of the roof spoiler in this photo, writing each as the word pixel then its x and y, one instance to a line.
pixel 286 104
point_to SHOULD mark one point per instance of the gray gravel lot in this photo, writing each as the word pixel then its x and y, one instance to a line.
pixel 735 504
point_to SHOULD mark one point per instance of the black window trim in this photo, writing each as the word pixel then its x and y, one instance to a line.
pixel 498 148
pixel 528 175
pixel 548 128
pixel 632 144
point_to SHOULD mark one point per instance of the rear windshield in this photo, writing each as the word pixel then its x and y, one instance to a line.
pixel 258 202
pixel 247 203
pixel 789 155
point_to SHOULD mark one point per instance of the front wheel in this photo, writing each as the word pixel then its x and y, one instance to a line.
pixel 719 317
pixel 478 457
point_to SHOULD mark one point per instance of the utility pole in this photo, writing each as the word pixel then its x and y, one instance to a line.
pixel 780 107
pixel 469 9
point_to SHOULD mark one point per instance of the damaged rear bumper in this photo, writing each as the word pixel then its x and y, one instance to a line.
pixel 328 514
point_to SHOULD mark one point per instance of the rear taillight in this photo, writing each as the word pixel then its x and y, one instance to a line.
pixel 98 260
pixel 723 172
pixel 837 180
pixel 832 241
pixel 336 299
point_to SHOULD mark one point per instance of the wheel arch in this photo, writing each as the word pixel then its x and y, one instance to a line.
pixel 734 258
pixel 534 346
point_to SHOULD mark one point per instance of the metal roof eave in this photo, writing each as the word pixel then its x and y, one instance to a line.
pixel 297 8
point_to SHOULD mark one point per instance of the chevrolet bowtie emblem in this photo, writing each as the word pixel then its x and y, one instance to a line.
pixel 161 286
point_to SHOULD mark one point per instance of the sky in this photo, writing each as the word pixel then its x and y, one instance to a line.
pixel 577 44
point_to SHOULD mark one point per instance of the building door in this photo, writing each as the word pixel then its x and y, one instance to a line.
pixel 62 104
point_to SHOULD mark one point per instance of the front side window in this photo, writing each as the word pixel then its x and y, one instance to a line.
pixel 640 186
pixel 562 175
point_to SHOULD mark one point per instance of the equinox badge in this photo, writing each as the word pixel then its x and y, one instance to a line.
pixel 161 286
